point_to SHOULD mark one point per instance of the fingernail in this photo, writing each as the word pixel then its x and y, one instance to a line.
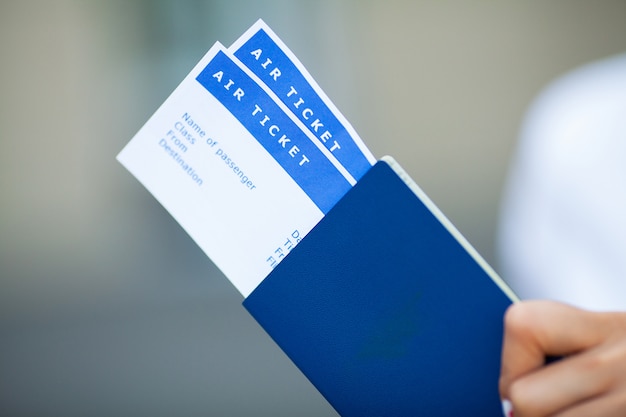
pixel 507 408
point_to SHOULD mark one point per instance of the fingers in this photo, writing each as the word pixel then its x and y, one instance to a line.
pixel 536 329
pixel 557 386
pixel 591 380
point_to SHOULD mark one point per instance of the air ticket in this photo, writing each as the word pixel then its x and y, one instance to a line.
pixel 261 50
pixel 239 172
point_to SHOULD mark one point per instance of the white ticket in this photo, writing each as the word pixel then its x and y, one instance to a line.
pixel 240 174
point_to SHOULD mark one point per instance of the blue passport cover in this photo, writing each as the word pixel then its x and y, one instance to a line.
pixel 385 311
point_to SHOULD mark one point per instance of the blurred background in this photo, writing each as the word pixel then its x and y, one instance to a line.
pixel 106 306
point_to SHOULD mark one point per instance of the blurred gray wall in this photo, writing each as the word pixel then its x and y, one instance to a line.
pixel 106 306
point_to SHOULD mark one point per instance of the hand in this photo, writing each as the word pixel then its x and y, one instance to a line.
pixel 590 380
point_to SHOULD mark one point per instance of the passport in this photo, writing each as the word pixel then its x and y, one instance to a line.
pixel 387 309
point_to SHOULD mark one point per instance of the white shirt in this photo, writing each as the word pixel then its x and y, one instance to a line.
pixel 563 226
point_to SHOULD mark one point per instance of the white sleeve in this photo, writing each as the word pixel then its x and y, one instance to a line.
pixel 563 223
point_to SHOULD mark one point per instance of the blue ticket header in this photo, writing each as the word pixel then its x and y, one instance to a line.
pixel 270 63
pixel 275 131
